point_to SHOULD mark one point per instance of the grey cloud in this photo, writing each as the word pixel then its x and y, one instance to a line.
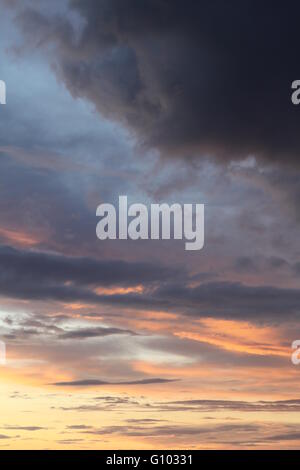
pixel 94 382
pixel 25 428
pixel 226 299
pixel 78 427
pixel 144 421
pixel 199 406
pixel 174 430
pixel 34 266
pixel 70 441
pixel 42 276
pixel 182 75
pixel 85 333
pixel 216 299
pixel 291 406
pixel 288 436
pixel 86 408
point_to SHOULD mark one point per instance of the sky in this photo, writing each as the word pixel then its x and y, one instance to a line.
pixel 123 344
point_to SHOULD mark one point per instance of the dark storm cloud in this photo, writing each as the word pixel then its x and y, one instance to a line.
pixel 283 185
pixel 260 265
pixel 30 268
pixel 209 77
pixel 233 299
pixel 93 383
pixel 43 276
pixel 216 299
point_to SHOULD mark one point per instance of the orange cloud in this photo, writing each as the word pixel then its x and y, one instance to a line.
pixel 18 238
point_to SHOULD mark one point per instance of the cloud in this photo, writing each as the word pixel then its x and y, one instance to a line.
pixel 85 333
pixel 25 428
pixel 233 299
pixel 279 406
pixel 289 436
pixel 82 271
pixel 215 299
pixel 42 276
pixel 78 427
pixel 37 275
pixel 107 403
pixel 175 430
pixel 93 382
pixel 144 421
pixel 204 78
pixel 70 441
pixel 188 406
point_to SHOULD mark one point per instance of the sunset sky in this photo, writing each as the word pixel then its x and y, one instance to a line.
pixel 123 344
